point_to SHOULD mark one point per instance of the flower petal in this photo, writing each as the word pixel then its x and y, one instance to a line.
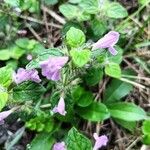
pixel 59 146
pixel 110 39
pixel 4 115
pixel 100 141
pixel 112 50
pixel 51 67
pixel 25 75
pixel 60 108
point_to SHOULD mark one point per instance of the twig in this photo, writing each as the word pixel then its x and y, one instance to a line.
pixel 133 143
pixel 34 33
pixel 54 15
pixel 47 28
pixel 32 19
pixel 133 83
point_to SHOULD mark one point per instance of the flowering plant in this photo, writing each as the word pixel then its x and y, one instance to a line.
pixel 66 93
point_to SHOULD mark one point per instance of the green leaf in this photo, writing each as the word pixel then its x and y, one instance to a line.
pixel 94 112
pixel 41 123
pixel 129 125
pixel 28 91
pixel 3 99
pixel 113 70
pixel 146 127
pixel 83 16
pixel 116 90
pixel 98 27
pixel 25 43
pixel 93 76
pixel 80 57
pixel 126 111
pixel 146 139
pixel 51 2
pixel 17 52
pixel 143 2
pixel 43 141
pixel 69 11
pixel 115 10
pixel 89 6
pixel 74 1
pixel 5 54
pixel 13 3
pixel 82 97
pixel 77 141
pixel 75 37
pixel 6 76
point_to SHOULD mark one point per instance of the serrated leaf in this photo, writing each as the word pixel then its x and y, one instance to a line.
pixel 116 90
pixel 98 27
pixel 17 52
pixel 6 76
pixel 43 141
pixel 80 58
pixel 116 10
pixel 5 54
pixel 69 11
pixel 3 99
pixel 113 70
pixel 75 37
pixel 77 141
pixel 127 111
pixel 89 6
pixel 94 112
pixel 28 91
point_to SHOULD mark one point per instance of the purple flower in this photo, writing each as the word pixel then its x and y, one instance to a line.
pixel 100 141
pixel 4 115
pixel 29 57
pixel 108 41
pixel 60 108
pixel 51 67
pixel 59 146
pixel 25 75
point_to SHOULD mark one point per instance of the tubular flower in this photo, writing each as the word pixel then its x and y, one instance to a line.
pixel 51 67
pixel 60 108
pixel 59 146
pixel 25 75
pixel 99 141
pixel 108 41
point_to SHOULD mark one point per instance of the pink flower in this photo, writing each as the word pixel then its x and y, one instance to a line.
pixel 29 57
pixel 25 75
pixel 59 146
pixel 60 108
pixel 108 41
pixel 100 141
pixel 4 115
pixel 51 67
